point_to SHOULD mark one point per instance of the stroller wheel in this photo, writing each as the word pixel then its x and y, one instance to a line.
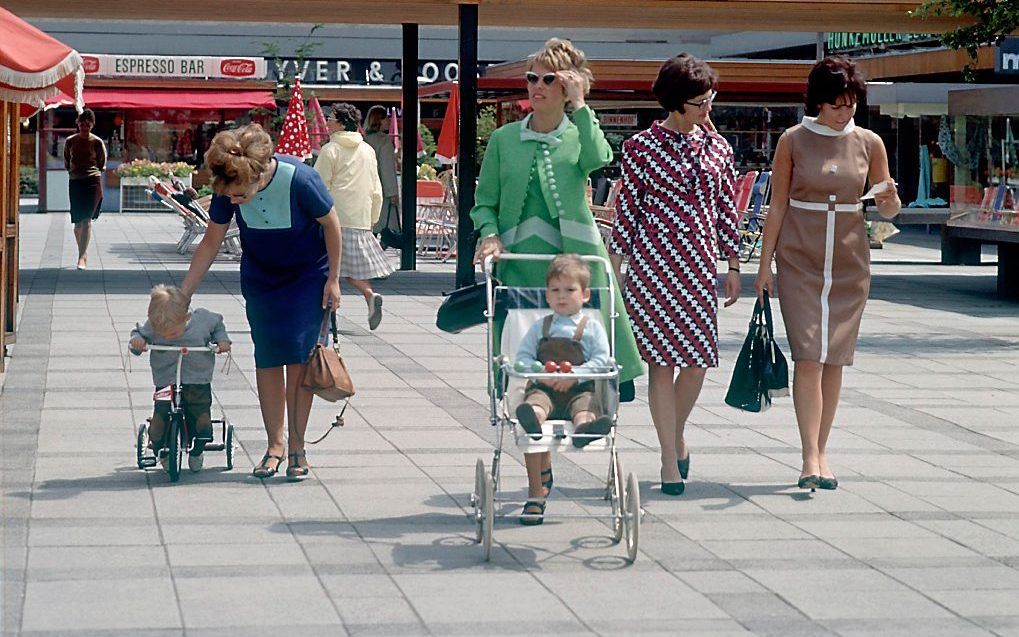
pixel 479 490
pixel 616 488
pixel 631 509
pixel 488 517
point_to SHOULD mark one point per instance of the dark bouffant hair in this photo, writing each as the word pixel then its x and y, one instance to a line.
pixel 87 115
pixel 347 115
pixel 832 78
pixel 238 156
pixel 681 79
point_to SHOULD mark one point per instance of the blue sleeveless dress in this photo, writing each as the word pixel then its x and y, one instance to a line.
pixel 284 262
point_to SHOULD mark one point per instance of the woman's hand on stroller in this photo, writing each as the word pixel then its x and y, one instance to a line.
pixel 489 247
pixel 222 347
pixel 138 344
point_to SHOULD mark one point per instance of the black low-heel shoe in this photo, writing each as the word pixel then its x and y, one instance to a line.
pixel 673 488
pixel 809 482
pixel 829 484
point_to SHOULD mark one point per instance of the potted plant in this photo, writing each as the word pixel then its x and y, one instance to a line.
pixel 137 172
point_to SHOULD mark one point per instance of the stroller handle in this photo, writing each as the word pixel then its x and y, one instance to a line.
pixel 489 264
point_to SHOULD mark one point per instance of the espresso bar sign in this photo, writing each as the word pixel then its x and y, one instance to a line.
pixel 174 66
pixel 359 71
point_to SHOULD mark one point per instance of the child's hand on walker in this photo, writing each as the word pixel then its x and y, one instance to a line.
pixel 138 344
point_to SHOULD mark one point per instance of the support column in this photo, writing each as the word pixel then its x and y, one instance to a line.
pixel 409 143
pixel 1008 271
pixel 467 151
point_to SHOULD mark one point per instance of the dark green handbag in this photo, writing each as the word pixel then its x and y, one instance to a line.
pixel 761 371
pixel 463 308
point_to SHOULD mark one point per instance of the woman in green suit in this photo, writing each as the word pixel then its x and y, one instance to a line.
pixel 531 198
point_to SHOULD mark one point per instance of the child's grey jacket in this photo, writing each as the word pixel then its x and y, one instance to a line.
pixel 198 366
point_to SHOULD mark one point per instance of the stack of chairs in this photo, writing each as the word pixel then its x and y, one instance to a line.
pixel 437 217
pixel 753 214
pixel 193 213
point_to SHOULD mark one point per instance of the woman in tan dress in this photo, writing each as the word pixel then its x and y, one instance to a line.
pixel 815 231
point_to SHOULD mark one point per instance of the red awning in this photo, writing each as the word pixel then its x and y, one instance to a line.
pixel 177 99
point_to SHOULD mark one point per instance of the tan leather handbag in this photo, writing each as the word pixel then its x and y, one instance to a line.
pixel 325 375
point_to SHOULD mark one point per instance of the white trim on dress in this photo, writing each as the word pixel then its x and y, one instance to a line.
pixel 810 123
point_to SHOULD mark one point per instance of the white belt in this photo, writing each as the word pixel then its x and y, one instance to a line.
pixel 823 207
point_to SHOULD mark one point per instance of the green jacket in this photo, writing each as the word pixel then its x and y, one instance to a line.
pixel 502 185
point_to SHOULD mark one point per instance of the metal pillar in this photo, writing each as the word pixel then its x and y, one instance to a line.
pixel 467 151
pixel 409 143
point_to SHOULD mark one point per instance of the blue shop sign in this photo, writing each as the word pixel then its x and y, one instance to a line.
pixel 1006 56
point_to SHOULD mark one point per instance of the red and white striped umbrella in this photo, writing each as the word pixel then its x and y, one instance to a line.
pixel 35 67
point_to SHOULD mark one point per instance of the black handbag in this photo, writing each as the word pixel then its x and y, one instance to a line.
pixel 388 237
pixel 761 371
pixel 464 308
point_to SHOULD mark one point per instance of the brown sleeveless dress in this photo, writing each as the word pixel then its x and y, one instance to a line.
pixel 823 255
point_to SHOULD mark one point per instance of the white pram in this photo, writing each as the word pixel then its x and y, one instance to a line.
pixel 522 307
pixel 184 201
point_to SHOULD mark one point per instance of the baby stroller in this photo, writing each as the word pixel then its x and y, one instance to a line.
pixel 522 307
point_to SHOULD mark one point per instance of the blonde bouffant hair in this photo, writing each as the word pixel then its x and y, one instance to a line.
pixel 240 155
pixel 561 55
pixel 168 308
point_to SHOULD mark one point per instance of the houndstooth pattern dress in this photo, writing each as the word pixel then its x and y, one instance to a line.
pixel 675 216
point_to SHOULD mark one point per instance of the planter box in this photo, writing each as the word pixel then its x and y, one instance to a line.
pixel 134 196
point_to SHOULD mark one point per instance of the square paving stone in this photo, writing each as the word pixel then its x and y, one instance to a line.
pixel 275 602
pixel 127 604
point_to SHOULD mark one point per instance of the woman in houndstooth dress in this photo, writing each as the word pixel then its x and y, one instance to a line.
pixel 348 167
pixel 675 216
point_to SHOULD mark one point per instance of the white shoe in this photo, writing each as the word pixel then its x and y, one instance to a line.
pixel 375 311
pixel 195 462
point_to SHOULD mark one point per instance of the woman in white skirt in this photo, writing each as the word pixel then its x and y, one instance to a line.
pixel 348 167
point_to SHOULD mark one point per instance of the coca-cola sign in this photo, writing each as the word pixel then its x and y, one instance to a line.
pixel 90 64
pixel 235 67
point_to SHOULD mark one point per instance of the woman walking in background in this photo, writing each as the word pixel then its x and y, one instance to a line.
pixel 815 232
pixel 85 160
pixel 347 166
pixel 675 206
pixel 378 138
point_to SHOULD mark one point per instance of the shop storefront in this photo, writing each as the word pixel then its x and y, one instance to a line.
pixel 757 101
pixel 163 109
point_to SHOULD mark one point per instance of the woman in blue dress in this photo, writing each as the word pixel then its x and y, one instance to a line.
pixel 290 239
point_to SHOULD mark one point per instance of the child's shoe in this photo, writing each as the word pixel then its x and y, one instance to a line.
pixel 529 421
pixel 195 462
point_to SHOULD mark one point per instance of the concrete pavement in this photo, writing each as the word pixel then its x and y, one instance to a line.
pixel 922 538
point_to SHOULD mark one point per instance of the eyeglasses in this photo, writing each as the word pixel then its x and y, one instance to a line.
pixel 532 78
pixel 705 103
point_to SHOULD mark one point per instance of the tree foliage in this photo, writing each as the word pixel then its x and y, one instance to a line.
pixel 992 20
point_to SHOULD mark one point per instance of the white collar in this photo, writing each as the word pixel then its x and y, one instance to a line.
pixel 810 123
pixel 573 318
pixel 553 137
